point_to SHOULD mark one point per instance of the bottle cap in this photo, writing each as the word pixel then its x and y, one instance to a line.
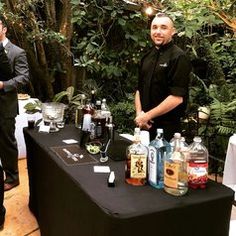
pixel 197 139
pixel 136 130
pixel 177 135
pixel 160 130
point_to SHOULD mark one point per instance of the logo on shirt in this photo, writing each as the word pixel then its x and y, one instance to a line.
pixel 163 64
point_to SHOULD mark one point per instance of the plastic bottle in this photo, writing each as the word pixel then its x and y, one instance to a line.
pixel 197 167
pixel 175 170
pixel 136 161
pixel 158 149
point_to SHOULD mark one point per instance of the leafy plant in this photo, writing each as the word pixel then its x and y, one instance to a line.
pixel 72 101
pixel 221 100
pixel 33 107
pixel 110 45
pixel 124 114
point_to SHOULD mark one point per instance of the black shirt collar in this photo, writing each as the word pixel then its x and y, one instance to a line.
pixel 165 46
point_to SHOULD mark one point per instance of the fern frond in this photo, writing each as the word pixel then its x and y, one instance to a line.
pixel 225 130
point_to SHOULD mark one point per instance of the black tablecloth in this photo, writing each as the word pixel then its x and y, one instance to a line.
pixel 74 201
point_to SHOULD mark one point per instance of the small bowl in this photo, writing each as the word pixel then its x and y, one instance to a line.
pixel 93 147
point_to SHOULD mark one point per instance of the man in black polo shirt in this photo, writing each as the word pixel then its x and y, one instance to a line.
pixel 160 99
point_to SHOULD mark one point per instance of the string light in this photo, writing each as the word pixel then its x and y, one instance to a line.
pixel 149 10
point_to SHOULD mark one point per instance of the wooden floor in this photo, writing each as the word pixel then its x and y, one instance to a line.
pixel 20 221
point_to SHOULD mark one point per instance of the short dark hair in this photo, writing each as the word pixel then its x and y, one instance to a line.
pixel 163 14
pixel 2 18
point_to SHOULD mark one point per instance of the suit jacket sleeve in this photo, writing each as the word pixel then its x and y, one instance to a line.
pixel 20 70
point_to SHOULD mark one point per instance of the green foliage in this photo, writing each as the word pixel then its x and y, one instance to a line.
pixel 110 43
pixel 33 107
pixel 221 100
pixel 225 49
pixel 72 100
pixel 124 114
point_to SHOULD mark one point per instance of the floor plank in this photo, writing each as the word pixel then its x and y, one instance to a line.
pixel 19 220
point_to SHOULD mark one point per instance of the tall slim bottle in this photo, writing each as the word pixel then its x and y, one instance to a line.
pixel 136 161
pixel 79 112
pixel 175 170
pixel 158 149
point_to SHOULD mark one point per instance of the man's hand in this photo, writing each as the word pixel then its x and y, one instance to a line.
pixel 1 85
pixel 143 121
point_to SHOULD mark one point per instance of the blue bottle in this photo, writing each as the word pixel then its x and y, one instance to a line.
pixel 158 149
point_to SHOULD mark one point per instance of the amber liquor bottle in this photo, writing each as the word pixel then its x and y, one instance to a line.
pixel 136 161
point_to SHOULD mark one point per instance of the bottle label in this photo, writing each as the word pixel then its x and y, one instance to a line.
pixel 86 122
pixel 138 168
pixel 171 171
pixel 152 165
pixel 197 172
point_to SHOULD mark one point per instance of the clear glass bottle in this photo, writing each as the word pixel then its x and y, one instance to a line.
pixel 88 112
pixel 99 121
pixel 184 148
pixel 175 170
pixel 172 142
pixel 136 161
pixel 79 112
pixel 105 111
pixel 158 149
pixel 197 166
pixel 104 106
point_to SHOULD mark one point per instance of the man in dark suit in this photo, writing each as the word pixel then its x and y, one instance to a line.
pixel 9 106
pixel 5 73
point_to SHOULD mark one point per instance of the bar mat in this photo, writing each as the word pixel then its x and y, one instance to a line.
pixel 73 155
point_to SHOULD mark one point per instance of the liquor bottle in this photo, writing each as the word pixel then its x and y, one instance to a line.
pixel 110 129
pixel 79 112
pixel 88 112
pixel 93 99
pixel 184 148
pixel 136 161
pixel 175 170
pixel 105 111
pixel 172 142
pixel 158 149
pixel 104 106
pixel 197 166
pixel 99 121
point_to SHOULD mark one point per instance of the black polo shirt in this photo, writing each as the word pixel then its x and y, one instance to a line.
pixel 164 72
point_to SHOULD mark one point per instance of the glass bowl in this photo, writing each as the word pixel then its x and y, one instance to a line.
pixel 93 147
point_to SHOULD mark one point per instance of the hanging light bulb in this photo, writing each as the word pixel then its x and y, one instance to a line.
pixel 149 10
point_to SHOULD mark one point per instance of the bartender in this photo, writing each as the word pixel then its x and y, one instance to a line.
pixel 161 96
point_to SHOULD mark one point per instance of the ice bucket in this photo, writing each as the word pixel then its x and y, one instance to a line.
pixel 53 113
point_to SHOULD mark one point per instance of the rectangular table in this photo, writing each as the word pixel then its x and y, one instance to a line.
pixel 74 201
pixel 229 177
pixel 21 122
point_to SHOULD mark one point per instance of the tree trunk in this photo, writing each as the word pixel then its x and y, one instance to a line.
pixel 37 28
